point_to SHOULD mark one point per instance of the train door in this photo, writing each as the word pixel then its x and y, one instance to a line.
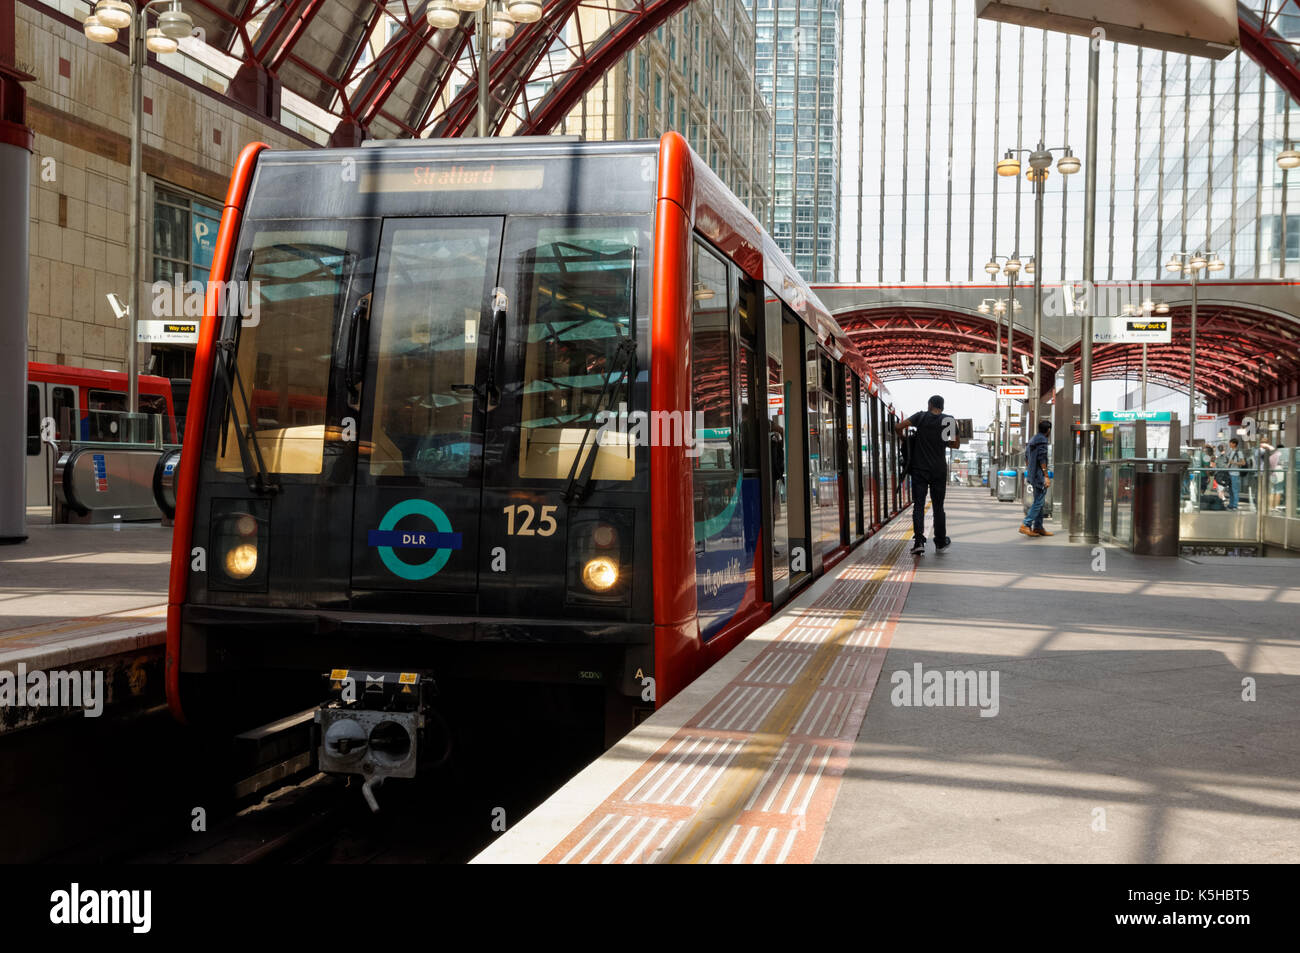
pixel 877 466
pixel 778 432
pixel 867 452
pixel 59 403
pixel 826 485
pixel 724 500
pixel 429 377
pixel 813 425
pixel 844 436
pixel 574 352
pixel 798 430
pixel 853 452
pixel 38 483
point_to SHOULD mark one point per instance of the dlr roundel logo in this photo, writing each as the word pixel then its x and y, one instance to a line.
pixel 440 538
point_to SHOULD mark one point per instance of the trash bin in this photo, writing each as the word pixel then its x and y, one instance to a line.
pixel 1006 486
pixel 1155 513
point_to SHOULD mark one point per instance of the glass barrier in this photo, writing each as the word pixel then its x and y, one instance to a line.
pixel 117 428
pixel 1219 488
pixel 1273 482
pixel 1108 501
pixel 1124 504
pixel 1293 459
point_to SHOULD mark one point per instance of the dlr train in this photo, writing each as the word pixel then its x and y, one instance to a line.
pixel 532 411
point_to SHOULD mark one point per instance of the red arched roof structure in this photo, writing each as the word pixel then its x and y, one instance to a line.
pixel 423 82
pixel 1244 356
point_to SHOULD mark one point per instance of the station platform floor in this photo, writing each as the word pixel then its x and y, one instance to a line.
pixel 1147 710
pixel 72 593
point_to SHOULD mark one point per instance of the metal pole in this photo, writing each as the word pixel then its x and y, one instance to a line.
pixel 133 227
pixel 1089 238
pixel 1085 526
pixel 1191 378
pixel 483 74
pixel 1144 375
pixel 1011 318
pixel 1039 182
pixel 1011 305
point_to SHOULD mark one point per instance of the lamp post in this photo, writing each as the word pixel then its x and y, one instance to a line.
pixel 102 26
pixel 1191 263
pixel 1040 160
pixel 1011 267
pixel 1287 159
pixel 496 20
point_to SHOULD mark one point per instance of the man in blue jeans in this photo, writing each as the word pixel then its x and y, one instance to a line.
pixel 1036 474
pixel 928 468
pixel 1234 461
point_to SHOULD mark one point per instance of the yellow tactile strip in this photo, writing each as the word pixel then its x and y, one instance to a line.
pixel 752 777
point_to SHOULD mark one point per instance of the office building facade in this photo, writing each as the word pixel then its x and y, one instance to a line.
pixel 797 62
pixel 694 75
pixel 933 96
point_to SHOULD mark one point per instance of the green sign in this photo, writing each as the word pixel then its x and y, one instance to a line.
pixel 1119 416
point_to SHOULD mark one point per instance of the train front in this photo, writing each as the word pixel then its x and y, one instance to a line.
pixel 408 478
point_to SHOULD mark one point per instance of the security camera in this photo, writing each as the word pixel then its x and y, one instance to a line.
pixel 118 307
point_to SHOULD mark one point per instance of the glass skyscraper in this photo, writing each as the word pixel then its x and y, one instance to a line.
pixel 693 74
pixel 933 96
pixel 797 58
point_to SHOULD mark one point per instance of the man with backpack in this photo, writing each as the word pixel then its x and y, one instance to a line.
pixel 1036 474
pixel 928 467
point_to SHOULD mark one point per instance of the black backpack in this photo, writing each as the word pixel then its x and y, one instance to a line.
pixel 908 448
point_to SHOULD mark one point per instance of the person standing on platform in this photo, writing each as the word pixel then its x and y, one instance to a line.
pixel 928 467
pixel 1234 460
pixel 1036 474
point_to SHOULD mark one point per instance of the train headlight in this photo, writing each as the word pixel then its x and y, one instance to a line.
pixel 241 560
pixel 600 574
pixel 239 547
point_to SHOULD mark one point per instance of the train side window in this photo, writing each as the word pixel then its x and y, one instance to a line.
pixel 749 306
pixel 152 404
pixel 33 420
pixel 61 399
pixel 300 278
pixel 106 409
pixel 711 363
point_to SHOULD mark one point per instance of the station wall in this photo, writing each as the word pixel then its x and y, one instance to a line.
pixel 79 107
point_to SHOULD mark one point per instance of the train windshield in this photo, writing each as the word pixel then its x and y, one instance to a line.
pixel 275 391
pixel 579 305
pixel 422 294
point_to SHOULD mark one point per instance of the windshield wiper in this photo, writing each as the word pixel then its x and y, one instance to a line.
pixel 615 376
pixel 254 467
